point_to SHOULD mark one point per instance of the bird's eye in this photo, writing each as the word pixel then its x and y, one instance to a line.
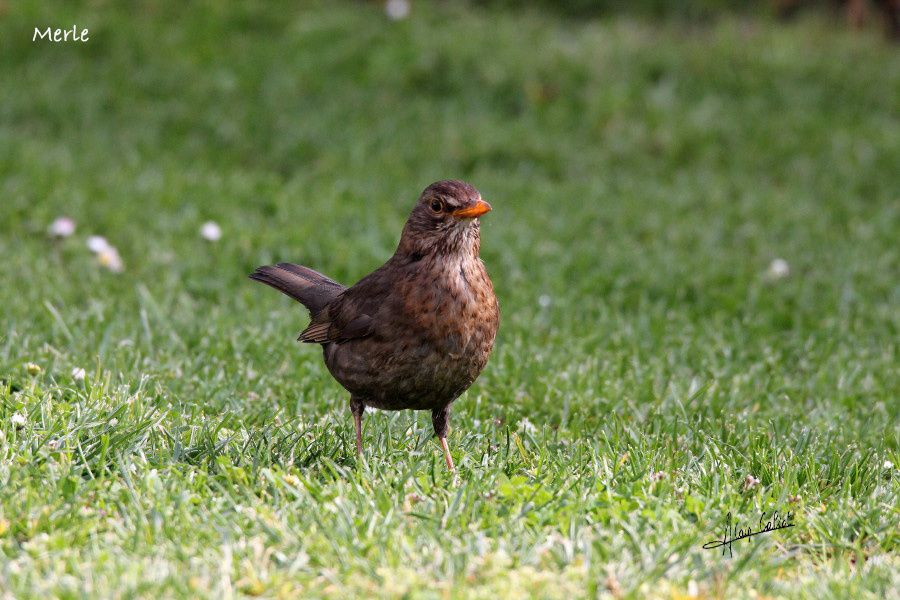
pixel 437 206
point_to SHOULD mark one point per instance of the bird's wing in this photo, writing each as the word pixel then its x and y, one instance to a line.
pixel 322 332
pixel 347 317
pixel 350 315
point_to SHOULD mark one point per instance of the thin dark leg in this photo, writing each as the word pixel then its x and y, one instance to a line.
pixel 357 408
pixel 440 418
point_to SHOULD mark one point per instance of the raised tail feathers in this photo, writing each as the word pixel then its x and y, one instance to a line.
pixel 310 288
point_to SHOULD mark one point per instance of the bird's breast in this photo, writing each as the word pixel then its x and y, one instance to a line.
pixel 455 308
pixel 433 335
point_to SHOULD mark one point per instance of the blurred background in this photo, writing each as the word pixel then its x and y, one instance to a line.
pixel 646 160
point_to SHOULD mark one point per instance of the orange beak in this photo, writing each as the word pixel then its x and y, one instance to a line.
pixel 470 212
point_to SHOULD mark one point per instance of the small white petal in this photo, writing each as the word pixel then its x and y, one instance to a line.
pixel 110 259
pixel 19 420
pixel 78 374
pixel 888 464
pixel 527 426
pixel 211 231
pixel 779 269
pixel 397 10
pixel 97 244
pixel 545 300
pixel 113 422
pixel 62 227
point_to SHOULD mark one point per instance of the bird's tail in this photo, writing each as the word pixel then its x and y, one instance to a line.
pixel 310 288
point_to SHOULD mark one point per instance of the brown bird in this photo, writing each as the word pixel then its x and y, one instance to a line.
pixel 415 333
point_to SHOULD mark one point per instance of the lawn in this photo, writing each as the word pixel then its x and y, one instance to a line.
pixel 694 243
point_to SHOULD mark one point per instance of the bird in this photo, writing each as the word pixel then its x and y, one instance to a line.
pixel 416 332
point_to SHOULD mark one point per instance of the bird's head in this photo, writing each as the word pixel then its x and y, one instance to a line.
pixel 444 220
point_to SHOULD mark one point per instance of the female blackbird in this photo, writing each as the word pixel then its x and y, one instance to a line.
pixel 415 333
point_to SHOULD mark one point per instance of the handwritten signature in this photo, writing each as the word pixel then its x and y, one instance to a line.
pixel 733 534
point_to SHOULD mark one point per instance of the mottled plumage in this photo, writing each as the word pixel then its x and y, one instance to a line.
pixel 415 333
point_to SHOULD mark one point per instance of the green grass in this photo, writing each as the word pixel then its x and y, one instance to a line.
pixel 643 177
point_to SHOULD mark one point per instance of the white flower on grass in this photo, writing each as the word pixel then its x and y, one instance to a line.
pixel 78 374
pixel 33 369
pixel 211 232
pixel 779 269
pixel 527 426
pixel 397 10
pixel 657 476
pixel 110 259
pixel 113 422
pixel 750 482
pixel 97 244
pixel 888 465
pixel 544 300
pixel 53 444
pixel 18 420
pixel 62 227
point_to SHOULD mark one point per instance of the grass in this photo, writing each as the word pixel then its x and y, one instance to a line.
pixel 644 176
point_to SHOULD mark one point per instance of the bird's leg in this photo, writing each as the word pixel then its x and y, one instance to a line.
pixel 447 458
pixel 440 418
pixel 357 408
